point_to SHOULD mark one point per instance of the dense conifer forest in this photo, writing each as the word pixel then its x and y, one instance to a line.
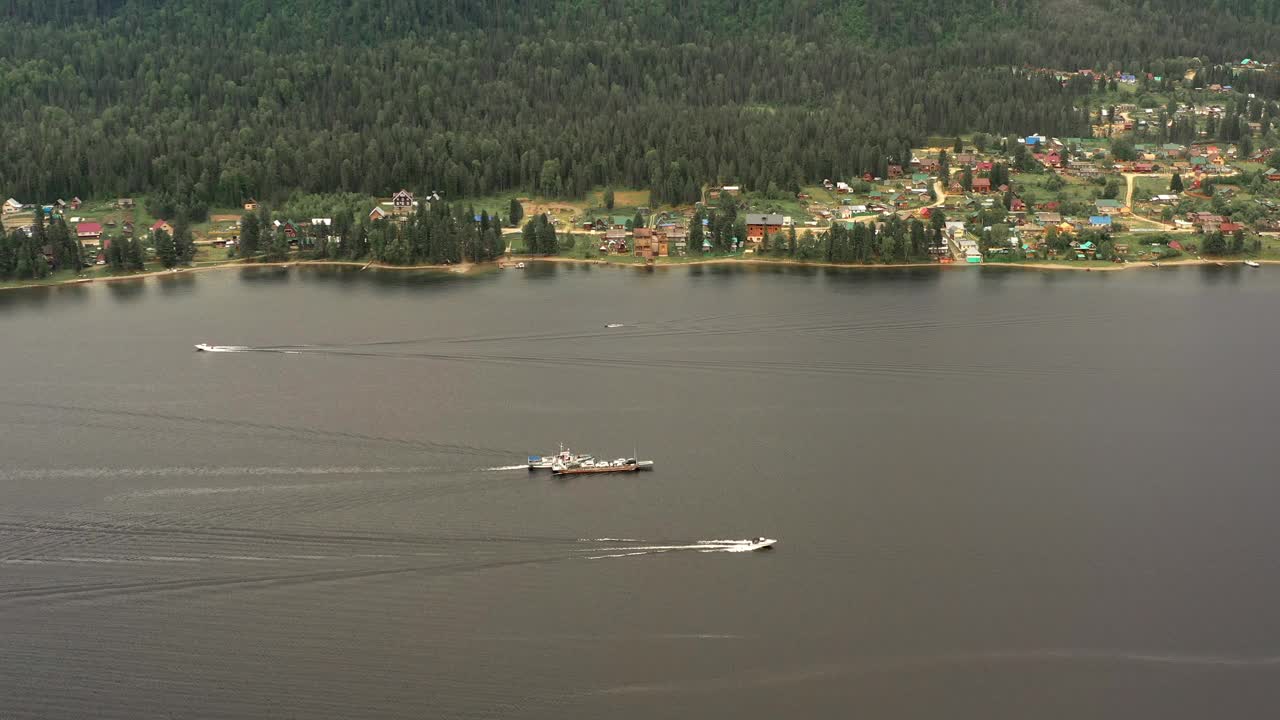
pixel 215 101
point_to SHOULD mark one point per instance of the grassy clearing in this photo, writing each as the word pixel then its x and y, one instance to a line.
pixel 1033 189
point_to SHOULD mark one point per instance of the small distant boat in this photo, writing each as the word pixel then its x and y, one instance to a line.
pixel 614 325
pixel 1252 264
pixel 204 347
pixel 1155 264
pixel 519 266
pixel 761 543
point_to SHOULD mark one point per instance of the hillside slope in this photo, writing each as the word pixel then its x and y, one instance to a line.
pixel 218 100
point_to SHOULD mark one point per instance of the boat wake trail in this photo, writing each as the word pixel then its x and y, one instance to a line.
pixel 507 467
pixel 701 546
pixel 247 349
pixel 105 472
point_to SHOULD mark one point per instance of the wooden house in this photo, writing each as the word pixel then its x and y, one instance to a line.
pixel 643 245
pixel 402 203
pixel 677 239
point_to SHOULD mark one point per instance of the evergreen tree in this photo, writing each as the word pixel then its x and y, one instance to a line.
pixel 1237 242
pixel 966 179
pixel 1215 244
pixel 608 198
pixel 135 255
pixel 116 251
pixel 917 246
pixel 1175 183
pixel 944 167
pixel 183 244
pixel 250 235
pixel 278 249
pixel 515 213
pixel 958 146
pixel 529 234
pixel 546 236
pixel 695 233
pixel 166 251
pixel 1245 146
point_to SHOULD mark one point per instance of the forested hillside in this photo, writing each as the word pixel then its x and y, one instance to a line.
pixel 214 101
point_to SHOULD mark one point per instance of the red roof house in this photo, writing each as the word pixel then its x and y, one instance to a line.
pixel 162 225
pixel 89 230
pixel 982 185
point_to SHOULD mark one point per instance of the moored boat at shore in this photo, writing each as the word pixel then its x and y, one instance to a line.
pixel 1252 263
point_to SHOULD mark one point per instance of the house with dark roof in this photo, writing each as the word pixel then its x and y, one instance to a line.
pixel 761 225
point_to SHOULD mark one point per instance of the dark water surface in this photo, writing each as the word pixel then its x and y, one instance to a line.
pixel 998 495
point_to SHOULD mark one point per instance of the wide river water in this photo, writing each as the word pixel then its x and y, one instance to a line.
pixel 998 494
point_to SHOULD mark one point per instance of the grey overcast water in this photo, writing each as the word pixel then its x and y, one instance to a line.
pixel 998 494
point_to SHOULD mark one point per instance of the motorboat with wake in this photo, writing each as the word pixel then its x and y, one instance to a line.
pixel 737 546
pixel 760 543
pixel 1253 263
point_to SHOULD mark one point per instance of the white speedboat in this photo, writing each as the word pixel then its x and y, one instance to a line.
pixel 204 347
pixel 614 325
pixel 519 266
pixel 1252 264
pixel 760 543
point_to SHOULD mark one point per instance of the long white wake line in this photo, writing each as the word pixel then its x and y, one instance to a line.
pixel 106 472
pixel 703 546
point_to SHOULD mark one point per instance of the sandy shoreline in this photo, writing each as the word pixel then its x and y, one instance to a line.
pixel 1111 267
pixel 464 268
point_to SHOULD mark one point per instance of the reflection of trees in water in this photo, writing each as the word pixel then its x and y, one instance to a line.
pixel 127 290
pixel 177 283
pixel 34 297
pixel 273 274
pixel 1211 274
